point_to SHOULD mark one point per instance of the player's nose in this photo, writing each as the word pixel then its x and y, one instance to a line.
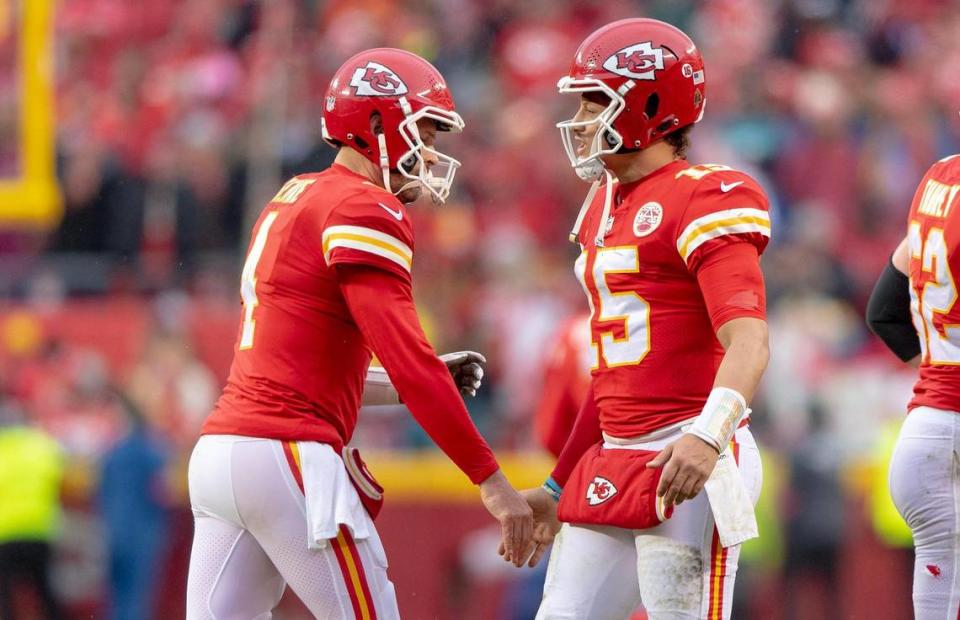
pixel 581 116
pixel 430 158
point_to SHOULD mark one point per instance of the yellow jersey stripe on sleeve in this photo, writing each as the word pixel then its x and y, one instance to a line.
pixel 367 240
pixel 371 248
pixel 721 228
pixel 369 235
pixel 730 221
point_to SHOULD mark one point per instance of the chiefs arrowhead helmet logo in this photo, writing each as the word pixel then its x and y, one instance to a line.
pixel 640 61
pixel 600 490
pixel 376 80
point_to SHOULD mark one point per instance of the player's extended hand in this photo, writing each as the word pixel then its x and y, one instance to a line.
pixel 545 523
pixel 687 463
pixel 515 516
pixel 467 370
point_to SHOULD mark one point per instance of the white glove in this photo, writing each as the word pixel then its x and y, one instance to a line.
pixel 467 370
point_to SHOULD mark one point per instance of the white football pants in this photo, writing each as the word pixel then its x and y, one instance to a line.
pixel 250 541
pixel 925 487
pixel 677 570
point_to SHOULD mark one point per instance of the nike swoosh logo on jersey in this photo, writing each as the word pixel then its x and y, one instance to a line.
pixel 726 188
pixel 398 214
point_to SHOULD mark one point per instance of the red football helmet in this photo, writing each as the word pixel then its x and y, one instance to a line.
pixel 653 75
pixel 402 88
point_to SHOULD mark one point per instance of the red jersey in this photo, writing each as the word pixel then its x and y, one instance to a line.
pixel 654 348
pixel 326 283
pixel 300 360
pixel 933 234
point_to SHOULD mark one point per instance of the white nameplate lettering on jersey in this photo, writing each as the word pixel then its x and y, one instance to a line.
pixel 937 199
pixel 648 218
pixel 397 215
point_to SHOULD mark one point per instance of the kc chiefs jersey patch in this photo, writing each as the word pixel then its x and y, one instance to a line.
pixel 647 219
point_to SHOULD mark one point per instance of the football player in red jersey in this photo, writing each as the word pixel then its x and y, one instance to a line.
pixel 913 309
pixel 670 265
pixel 277 496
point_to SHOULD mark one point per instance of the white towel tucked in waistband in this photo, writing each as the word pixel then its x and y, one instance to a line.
pixel 730 502
pixel 330 496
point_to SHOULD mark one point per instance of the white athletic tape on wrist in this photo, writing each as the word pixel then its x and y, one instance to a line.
pixel 721 415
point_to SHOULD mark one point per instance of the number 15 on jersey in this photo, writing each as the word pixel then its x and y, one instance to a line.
pixel 619 308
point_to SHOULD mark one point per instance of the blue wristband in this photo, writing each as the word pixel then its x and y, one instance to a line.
pixel 551 487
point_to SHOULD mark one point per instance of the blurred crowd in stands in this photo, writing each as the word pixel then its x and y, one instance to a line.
pixel 177 120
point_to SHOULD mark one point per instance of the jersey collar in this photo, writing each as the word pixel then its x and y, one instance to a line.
pixel 625 189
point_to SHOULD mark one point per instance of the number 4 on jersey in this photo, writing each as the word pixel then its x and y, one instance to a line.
pixel 248 280
pixel 291 191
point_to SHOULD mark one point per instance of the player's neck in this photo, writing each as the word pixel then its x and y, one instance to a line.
pixel 634 166
pixel 355 162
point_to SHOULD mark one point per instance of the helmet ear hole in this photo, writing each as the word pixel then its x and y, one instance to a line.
pixel 652 105
pixel 609 138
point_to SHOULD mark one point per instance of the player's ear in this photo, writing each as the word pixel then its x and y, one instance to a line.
pixel 376 123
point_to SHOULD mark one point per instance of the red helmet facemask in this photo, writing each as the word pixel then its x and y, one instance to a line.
pixel 652 75
pixel 402 88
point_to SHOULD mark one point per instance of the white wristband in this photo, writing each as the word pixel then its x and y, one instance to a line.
pixel 721 415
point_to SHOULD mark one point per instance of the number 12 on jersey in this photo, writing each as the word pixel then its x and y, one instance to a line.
pixel 935 294
pixel 626 307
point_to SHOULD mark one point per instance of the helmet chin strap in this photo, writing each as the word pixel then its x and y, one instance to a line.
pixel 607 201
pixel 384 162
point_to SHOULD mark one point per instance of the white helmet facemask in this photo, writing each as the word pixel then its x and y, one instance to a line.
pixel 437 178
pixel 606 139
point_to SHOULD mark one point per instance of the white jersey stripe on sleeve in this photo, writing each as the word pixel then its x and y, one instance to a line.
pixel 367 240
pixel 363 246
pixel 370 234
pixel 720 221
pixel 733 228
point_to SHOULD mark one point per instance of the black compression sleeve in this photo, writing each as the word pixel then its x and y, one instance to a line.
pixel 888 313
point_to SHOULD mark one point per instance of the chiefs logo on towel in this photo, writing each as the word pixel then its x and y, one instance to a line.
pixel 600 490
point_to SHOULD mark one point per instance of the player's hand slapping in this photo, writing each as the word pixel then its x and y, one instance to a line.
pixel 467 370
pixel 515 517
pixel 546 525
pixel 687 463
